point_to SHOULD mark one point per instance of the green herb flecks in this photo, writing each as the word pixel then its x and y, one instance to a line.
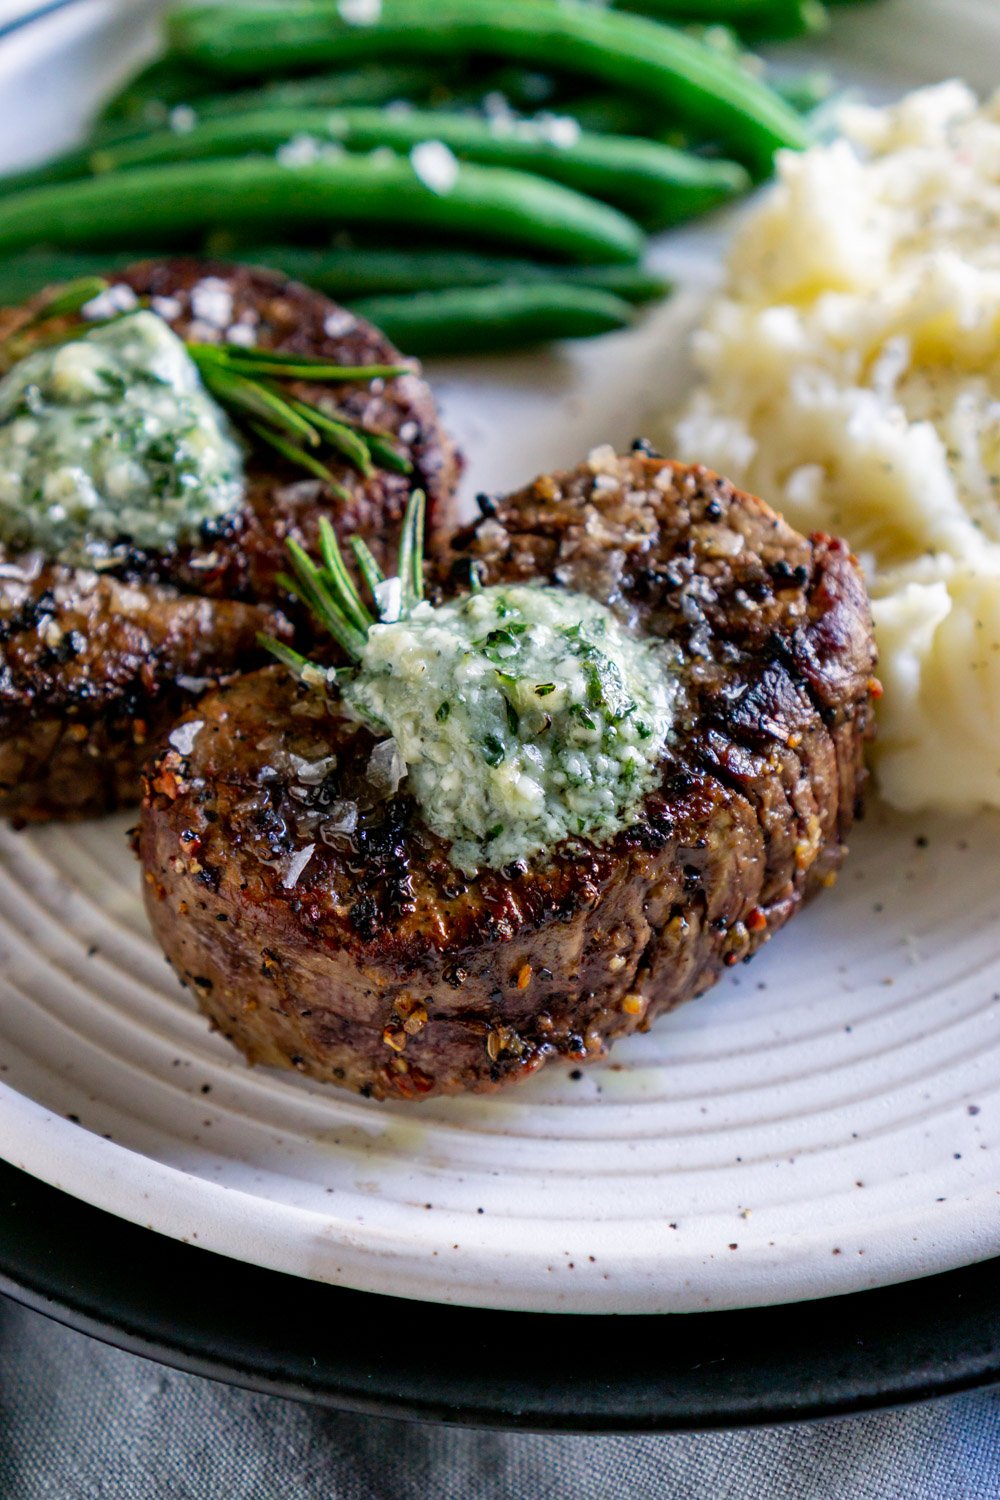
pixel 252 385
pixel 493 750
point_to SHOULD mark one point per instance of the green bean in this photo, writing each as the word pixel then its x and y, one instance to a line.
pixel 22 276
pixel 476 320
pixel 152 96
pixel 70 165
pixel 66 168
pixel 371 85
pixel 147 96
pixel 363 86
pixel 148 99
pixel 602 112
pixel 347 274
pixel 655 183
pixel 464 85
pixel 183 201
pixel 613 114
pixel 344 273
pixel 812 19
pixel 792 18
pixel 420 83
pixel 753 20
pixel 423 86
pixel 628 52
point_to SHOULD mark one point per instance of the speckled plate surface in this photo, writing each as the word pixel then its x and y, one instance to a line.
pixel 826 1120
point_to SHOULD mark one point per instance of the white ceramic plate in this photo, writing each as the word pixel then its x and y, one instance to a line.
pixel 827 1119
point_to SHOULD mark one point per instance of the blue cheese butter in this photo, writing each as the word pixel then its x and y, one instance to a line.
pixel 110 440
pixel 525 714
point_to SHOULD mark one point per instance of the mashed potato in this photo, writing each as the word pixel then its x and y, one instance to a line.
pixel 852 378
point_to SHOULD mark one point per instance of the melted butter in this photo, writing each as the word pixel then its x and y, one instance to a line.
pixel 110 440
pixel 525 714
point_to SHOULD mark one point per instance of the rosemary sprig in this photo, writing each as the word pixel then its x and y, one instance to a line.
pixel 379 444
pixel 258 362
pixel 60 302
pixel 337 434
pixel 65 300
pixel 300 456
pixel 257 399
pixel 313 675
pixel 327 589
pixel 247 381
pixel 248 384
pixel 367 565
pixel 346 590
pixel 383 453
pixel 320 596
pixel 411 552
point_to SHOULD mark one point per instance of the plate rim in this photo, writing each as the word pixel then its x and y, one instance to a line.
pixel 323 1251
pixel 84 1272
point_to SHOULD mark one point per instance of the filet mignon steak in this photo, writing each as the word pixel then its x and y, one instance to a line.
pixel 368 960
pixel 89 663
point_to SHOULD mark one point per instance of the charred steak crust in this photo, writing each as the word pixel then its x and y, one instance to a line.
pixel 377 965
pixel 88 662
pixel 92 669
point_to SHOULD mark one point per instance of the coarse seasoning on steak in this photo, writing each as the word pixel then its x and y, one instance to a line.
pixel 95 664
pixel 362 956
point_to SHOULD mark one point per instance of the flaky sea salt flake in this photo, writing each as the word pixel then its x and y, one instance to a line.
pixel 360 12
pixel 113 300
pixel 183 737
pixel 436 165
pixel 296 865
pixel 212 302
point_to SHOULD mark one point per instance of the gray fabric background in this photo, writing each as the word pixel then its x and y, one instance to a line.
pixel 79 1421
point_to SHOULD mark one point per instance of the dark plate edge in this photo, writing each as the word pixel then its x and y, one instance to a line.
pixel 52 1290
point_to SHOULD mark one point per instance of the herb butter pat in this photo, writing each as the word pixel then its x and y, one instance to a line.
pixel 111 438
pixel 525 715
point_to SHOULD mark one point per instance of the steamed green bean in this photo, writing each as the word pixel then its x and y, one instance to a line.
pixel 146 97
pixel 629 52
pixel 191 198
pixel 343 273
pixel 476 320
pixel 652 181
pixel 175 114
pixel 350 273
pixel 753 20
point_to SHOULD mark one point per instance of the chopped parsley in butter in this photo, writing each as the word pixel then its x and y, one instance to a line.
pixel 111 439
pixel 526 714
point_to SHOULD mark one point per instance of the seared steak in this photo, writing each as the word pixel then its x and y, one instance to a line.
pixel 93 668
pixel 89 664
pixel 367 959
